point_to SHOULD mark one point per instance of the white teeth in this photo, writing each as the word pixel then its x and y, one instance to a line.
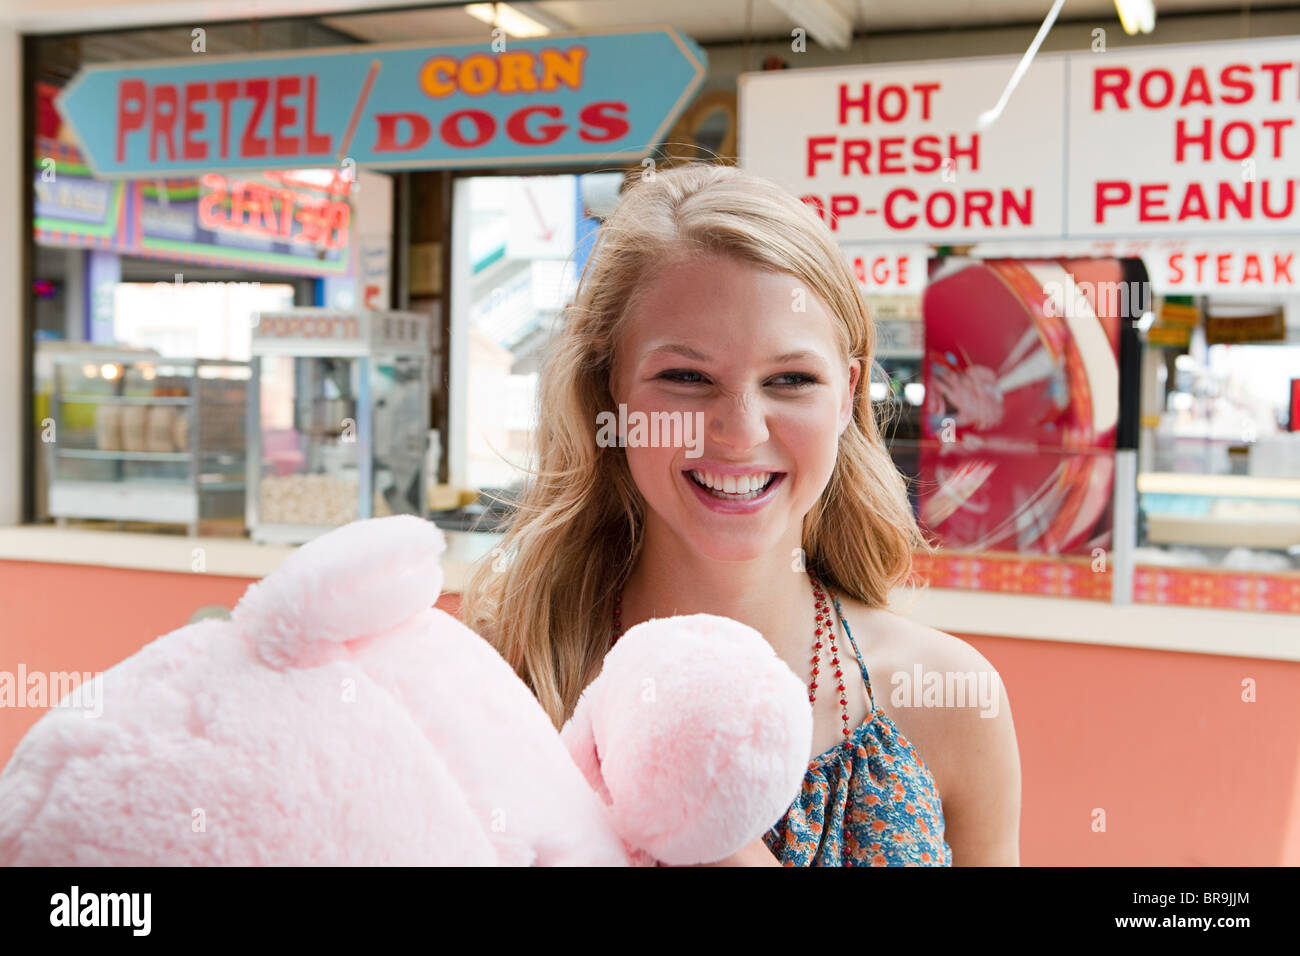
pixel 731 485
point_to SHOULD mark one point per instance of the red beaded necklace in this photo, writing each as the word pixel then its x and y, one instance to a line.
pixel 822 621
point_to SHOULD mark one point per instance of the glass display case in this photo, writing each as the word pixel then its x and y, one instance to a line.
pixel 338 420
pixel 134 437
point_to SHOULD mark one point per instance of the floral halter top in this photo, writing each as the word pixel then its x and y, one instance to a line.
pixel 868 801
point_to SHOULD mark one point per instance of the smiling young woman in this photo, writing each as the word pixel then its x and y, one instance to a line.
pixel 716 294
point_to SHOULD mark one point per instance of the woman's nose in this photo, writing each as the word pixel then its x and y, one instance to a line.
pixel 738 420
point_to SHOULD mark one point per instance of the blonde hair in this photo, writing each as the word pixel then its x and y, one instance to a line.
pixel 577 528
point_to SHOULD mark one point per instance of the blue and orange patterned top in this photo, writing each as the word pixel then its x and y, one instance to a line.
pixel 868 801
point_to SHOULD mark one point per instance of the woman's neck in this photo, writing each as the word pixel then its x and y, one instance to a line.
pixel 768 593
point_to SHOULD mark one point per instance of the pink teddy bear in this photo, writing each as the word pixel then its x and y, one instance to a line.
pixel 338 718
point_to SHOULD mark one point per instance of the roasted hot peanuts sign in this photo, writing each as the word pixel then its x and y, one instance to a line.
pixel 1202 139
pixel 555 99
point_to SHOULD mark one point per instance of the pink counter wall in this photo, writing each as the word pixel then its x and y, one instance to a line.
pixel 1186 772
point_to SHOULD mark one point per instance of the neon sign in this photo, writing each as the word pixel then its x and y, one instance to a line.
pixel 273 212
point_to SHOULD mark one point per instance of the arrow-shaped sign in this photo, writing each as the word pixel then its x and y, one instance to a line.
pixel 553 100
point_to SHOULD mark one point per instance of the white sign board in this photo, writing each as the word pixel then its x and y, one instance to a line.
pixel 888 270
pixel 1158 142
pixel 891 153
pixel 1192 266
pixel 1202 138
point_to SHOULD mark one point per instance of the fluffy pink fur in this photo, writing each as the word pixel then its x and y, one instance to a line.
pixel 338 718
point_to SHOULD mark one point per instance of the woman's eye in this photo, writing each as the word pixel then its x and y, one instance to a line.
pixel 801 380
pixel 679 375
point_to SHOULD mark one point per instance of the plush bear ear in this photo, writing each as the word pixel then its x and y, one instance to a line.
pixel 355 581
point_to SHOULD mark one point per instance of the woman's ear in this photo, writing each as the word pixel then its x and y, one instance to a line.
pixel 846 407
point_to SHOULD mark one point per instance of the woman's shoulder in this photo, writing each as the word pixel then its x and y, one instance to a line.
pixel 935 687
pixel 903 642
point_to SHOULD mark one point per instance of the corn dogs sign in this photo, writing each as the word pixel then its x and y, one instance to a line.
pixel 1171 141
pixel 554 99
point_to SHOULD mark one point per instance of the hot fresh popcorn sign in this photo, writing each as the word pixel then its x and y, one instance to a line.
pixel 892 152
pixel 1172 141
pixel 554 99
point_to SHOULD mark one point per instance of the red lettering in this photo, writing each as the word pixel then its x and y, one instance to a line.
pixel 842 205
pixel 981 208
pixel 1241 203
pixel 214 193
pixel 224 91
pixel 1150 197
pixel 250 144
pixel 1228 131
pixel 893 221
pixel 163 121
pixel 1023 208
pixel 925 89
pixel 891 155
pixel 1276 70
pixel 238 193
pixel 972 151
pixel 1195 197
pixel 1197 89
pixel 816 203
pixel 1110 81
pixel 315 143
pixel 285 116
pixel 517 126
pixel 1252 272
pixel 815 154
pixel 1245 88
pixel 389 140
pixel 857 151
pixel 1176 267
pixel 1181 140
pixel 1282 267
pixel 484 127
pixel 1222 261
pixel 1110 193
pixel 1290 200
pixel 337 216
pixel 1144 92
pixel 932 219
pixel 609 116
pixel 901 95
pixel 194 122
pixel 129 118
pixel 1277 126
pixel 927 147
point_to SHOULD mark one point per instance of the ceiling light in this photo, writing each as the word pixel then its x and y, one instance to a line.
pixel 1136 15
pixel 502 15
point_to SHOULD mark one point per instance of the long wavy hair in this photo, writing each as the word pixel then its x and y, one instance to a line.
pixel 545 601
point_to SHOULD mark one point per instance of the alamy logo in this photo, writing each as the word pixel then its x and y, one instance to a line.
pixel 80 691
pixel 921 688
pixel 651 430
pixel 1074 300
pixel 102 909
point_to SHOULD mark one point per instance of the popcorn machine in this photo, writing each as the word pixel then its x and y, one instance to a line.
pixel 338 418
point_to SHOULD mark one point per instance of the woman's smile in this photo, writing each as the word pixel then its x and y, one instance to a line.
pixel 758 491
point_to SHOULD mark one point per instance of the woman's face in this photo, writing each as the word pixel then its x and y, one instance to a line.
pixel 751 357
